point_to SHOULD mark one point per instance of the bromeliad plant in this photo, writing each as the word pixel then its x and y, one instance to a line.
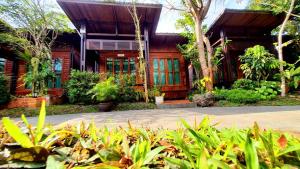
pixel 201 146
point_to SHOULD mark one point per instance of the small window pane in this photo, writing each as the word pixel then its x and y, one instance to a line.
pixel 156 78
pixel 170 72
pixel 117 66
pixel 109 65
pixel 132 66
pixel 162 78
pixel 155 65
pixel 57 65
pixel 176 65
pixel 2 64
pixel 125 66
pixel 58 82
pixel 177 78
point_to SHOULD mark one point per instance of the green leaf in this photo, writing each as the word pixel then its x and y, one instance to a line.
pixel 40 124
pixel 24 120
pixel 53 163
pixel 218 163
pixel 251 154
pixel 289 149
pixel 152 154
pixel 15 132
pixel 183 164
pixel 23 165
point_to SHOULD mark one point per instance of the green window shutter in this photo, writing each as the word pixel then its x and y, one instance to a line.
pixel 117 66
pixel 50 84
pixel 177 71
pixel 125 66
pixel 58 81
pixel 162 72
pixel 132 66
pixel 155 73
pixel 109 65
pixel 170 72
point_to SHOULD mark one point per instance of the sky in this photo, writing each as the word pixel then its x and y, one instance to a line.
pixel 168 17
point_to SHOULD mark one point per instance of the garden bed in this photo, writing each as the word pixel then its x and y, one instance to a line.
pixel 290 100
pixel 72 109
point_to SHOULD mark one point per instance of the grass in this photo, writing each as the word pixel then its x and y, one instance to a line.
pixel 134 106
pixel 72 109
pixel 290 100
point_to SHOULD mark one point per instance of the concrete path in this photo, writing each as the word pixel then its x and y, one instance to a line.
pixel 285 118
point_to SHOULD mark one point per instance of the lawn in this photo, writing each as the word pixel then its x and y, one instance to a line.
pixel 72 109
pixel 278 101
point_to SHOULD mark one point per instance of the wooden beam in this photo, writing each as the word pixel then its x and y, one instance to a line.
pixel 111 34
pixel 82 47
pixel 147 53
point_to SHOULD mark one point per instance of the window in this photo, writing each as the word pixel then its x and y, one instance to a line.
pixel 57 68
pixel 163 75
pixel 121 65
pixel 2 64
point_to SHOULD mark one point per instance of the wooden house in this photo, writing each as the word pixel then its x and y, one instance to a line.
pixel 105 43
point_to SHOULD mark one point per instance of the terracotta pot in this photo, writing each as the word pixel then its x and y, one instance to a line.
pixel 105 107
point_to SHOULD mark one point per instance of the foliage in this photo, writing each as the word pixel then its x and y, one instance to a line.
pixel 9 39
pixel 268 90
pixel 292 74
pixel 279 6
pixel 79 84
pixel 154 92
pixel 201 146
pixel 200 85
pixel 41 22
pixel 258 63
pixel 246 84
pixel 134 106
pixel 45 74
pixel 105 91
pixel 237 96
pixel 126 91
pixel 5 95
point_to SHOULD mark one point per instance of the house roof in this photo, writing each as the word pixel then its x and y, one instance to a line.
pixel 263 21
pixel 110 17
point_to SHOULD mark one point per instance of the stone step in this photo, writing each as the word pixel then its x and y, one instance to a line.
pixel 172 104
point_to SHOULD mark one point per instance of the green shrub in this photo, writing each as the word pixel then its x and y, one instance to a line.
pixel 246 84
pixel 268 90
pixel 242 96
pixel 5 95
pixel 257 63
pixel 105 91
pixel 126 91
pixel 220 94
pixel 79 84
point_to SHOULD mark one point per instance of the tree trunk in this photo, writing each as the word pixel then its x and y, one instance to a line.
pixel 201 50
pixel 279 48
pixel 209 57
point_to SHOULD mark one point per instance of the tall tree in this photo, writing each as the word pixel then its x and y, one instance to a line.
pixel 142 62
pixel 40 21
pixel 290 25
pixel 198 10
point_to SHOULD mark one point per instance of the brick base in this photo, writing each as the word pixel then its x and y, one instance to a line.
pixel 26 102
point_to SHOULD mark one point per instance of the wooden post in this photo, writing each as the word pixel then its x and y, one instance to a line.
pixel 82 47
pixel 146 49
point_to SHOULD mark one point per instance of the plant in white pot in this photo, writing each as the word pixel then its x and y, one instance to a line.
pixel 105 93
pixel 159 97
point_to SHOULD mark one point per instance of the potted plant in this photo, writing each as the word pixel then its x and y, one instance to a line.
pixel 105 92
pixel 159 97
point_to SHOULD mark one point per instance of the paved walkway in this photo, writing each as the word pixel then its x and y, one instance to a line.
pixel 285 118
